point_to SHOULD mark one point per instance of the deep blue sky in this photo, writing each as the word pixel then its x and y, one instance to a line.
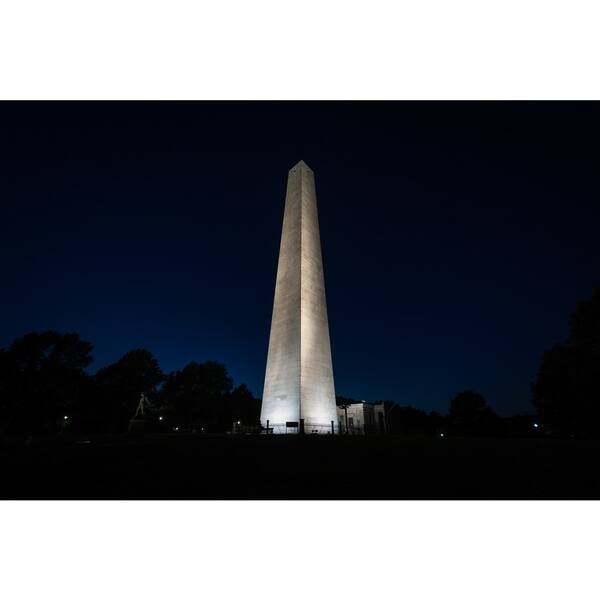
pixel 457 237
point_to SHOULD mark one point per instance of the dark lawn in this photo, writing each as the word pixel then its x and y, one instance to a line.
pixel 293 467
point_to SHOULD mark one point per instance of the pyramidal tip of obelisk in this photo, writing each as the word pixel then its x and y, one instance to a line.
pixel 299 165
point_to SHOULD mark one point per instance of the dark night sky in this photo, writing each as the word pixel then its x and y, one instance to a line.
pixel 457 237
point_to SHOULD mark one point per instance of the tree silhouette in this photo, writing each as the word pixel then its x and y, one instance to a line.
pixel 408 420
pixel 120 384
pixel 344 403
pixel 467 404
pixel 242 406
pixel 566 392
pixel 470 415
pixel 42 381
pixel 195 395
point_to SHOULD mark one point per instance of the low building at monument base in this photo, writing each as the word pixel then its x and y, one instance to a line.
pixel 363 418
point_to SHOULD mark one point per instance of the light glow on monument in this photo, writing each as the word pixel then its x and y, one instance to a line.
pixel 299 384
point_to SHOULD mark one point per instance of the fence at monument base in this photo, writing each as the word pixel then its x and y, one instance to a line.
pixel 293 427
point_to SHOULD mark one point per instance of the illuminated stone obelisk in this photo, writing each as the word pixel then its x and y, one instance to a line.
pixel 299 392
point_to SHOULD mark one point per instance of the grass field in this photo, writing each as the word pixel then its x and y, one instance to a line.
pixel 300 467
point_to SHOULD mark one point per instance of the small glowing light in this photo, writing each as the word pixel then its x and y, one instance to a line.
pixel 238 422
pixel 176 428
pixel 536 425
pixel 441 435
pixel 66 418
pixel 160 418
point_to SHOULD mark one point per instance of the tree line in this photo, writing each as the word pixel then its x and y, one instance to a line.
pixel 45 388
pixel 468 415
pixel 565 393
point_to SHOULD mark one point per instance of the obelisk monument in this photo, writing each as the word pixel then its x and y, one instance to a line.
pixel 299 395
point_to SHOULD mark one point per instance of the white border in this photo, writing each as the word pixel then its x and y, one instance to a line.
pixel 293 550
pixel 314 49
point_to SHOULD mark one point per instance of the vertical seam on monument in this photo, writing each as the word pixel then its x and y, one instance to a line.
pixel 300 265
